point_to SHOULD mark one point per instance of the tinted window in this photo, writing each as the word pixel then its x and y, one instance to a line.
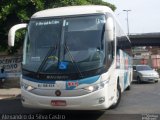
pixel 143 68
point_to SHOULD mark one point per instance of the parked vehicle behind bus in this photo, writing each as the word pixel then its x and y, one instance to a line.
pixel 145 73
pixel 74 58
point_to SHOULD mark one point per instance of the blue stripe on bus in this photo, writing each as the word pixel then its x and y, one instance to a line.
pixel 89 80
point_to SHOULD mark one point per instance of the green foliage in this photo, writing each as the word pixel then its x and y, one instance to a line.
pixel 16 11
pixel 100 2
pixel 61 3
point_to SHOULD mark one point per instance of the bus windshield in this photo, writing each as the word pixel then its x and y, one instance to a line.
pixel 69 45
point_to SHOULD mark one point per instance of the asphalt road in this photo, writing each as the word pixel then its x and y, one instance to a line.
pixel 140 103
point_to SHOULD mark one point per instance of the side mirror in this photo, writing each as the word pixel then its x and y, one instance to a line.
pixel 12 32
pixel 110 28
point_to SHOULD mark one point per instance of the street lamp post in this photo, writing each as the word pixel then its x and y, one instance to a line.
pixel 127 20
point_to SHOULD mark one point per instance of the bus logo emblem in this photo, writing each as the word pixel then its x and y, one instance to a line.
pixel 58 92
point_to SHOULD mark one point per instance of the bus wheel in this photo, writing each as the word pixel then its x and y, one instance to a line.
pixel 139 80
pixel 118 97
pixel 156 81
pixel 1 83
pixel 129 86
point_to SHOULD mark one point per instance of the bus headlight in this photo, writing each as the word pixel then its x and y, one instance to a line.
pixel 90 88
pixel 27 87
pixel 93 88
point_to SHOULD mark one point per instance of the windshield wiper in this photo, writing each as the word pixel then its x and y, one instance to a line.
pixel 51 49
pixel 73 61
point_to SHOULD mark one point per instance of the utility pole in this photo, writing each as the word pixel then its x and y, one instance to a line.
pixel 127 20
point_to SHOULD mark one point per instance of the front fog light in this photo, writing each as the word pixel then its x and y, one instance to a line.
pixel 22 99
pixel 101 100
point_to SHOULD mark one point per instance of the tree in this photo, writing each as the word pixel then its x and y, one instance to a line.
pixel 16 11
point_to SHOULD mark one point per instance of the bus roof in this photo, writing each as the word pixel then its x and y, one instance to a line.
pixel 72 10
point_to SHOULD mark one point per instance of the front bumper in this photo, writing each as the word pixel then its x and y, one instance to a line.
pixel 150 79
pixel 89 101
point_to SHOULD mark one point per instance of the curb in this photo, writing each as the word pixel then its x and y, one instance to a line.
pixel 6 96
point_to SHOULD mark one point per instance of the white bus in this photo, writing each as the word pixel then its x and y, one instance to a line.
pixel 74 58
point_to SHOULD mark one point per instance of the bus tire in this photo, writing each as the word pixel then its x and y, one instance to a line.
pixel 1 83
pixel 118 97
pixel 129 86
pixel 139 80
pixel 156 81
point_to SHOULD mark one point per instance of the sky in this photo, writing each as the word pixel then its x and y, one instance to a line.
pixel 144 16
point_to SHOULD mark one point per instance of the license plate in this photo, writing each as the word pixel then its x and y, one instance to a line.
pixel 58 103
